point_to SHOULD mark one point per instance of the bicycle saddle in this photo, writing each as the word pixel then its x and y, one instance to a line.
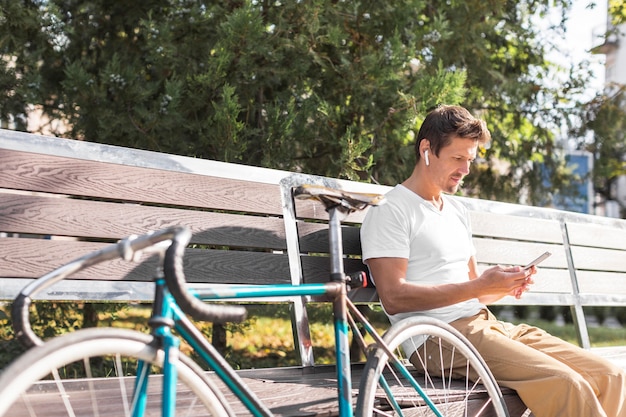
pixel 345 201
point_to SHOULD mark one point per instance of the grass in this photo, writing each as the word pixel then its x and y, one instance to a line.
pixel 599 336
pixel 265 340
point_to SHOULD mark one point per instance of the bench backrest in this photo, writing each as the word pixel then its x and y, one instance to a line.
pixel 588 262
pixel 61 198
pixel 81 196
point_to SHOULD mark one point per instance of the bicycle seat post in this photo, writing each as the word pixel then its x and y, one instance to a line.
pixel 336 245
pixel 337 275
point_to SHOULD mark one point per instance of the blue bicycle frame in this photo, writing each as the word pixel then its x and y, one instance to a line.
pixel 171 313
pixel 167 313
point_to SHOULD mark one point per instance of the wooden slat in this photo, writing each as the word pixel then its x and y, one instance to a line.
pixel 80 290
pixel 485 224
pixel 266 381
pixel 608 284
pixel 554 281
pixel 290 392
pixel 62 216
pixel 589 234
pixel 493 251
pixel 599 259
pixel 32 258
pixel 602 300
pixel 313 237
pixel 51 174
pixel 236 267
pixel 316 268
pixel 540 299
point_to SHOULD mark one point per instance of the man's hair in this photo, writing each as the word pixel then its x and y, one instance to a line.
pixel 445 123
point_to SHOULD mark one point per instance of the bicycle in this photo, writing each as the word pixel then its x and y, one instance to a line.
pixel 46 375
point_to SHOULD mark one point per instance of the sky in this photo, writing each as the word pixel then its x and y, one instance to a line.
pixel 583 23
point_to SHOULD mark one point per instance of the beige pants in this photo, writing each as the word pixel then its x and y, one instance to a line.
pixel 553 378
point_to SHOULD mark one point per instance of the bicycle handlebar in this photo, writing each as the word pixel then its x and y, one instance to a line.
pixel 128 249
pixel 175 278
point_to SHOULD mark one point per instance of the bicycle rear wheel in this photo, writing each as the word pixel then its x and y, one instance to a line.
pixel 92 372
pixel 450 357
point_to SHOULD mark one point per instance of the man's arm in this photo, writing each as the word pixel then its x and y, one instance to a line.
pixel 399 295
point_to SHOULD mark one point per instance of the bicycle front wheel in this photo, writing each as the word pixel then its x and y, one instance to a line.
pixel 93 372
pixel 451 376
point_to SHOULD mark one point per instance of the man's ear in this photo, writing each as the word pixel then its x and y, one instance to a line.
pixel 424 145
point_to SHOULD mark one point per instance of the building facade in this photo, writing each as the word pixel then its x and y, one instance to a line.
pixel 611 42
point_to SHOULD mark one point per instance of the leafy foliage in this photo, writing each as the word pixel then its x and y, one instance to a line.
pixel 326 87
pixel 617 10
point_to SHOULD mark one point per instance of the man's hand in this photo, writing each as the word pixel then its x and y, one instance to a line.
pixel 499 281
pixel 517 293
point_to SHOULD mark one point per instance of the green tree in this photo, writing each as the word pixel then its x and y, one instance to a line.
pixel 326 87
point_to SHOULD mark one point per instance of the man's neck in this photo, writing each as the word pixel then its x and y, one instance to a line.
pixel 428 193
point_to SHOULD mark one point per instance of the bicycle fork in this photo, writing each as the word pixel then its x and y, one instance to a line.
pixel 161 323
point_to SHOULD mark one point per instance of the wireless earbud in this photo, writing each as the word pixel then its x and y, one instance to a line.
pixel 426 158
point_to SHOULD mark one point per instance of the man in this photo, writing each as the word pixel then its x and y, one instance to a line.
pixel 419 250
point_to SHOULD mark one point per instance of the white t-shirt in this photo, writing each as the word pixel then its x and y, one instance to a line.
pixel 437 243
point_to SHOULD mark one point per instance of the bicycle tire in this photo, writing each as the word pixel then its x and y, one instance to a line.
pixel 443 391
pixel 27 390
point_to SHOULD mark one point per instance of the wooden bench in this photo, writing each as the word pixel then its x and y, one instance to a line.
pixel 62 198
pixel 587 267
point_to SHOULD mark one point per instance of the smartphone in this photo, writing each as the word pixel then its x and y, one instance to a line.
pixel 539 259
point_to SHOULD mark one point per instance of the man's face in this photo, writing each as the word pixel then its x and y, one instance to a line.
pixel 453 164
